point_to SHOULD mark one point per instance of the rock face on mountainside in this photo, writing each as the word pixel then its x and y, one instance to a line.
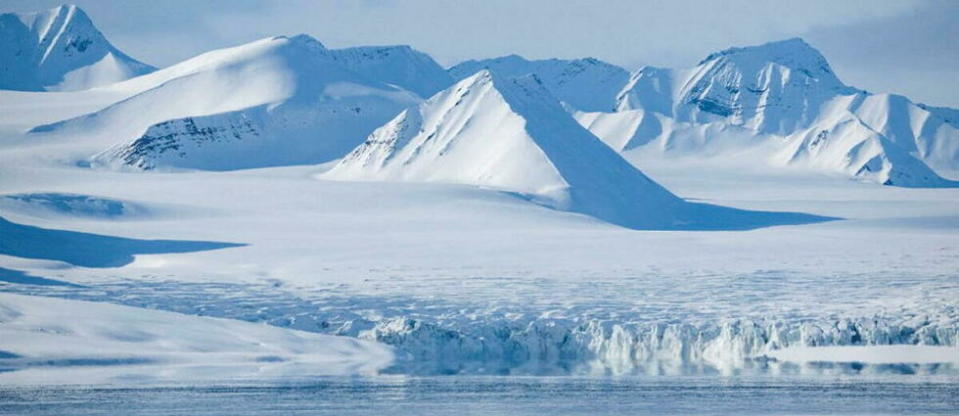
pixel 783 93
pixel 584 84
pixel 512 135
pixel 276 101
pixel 59 49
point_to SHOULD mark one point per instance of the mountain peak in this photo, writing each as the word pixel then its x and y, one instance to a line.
pixel 59 49
pixel 793 53
pixel 301 40
pixel 510 134
pixel 586 84
pixel 792 45
pixel 304 39
pixel 400 65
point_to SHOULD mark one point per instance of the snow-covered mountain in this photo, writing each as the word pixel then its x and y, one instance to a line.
pixel 512 135
pixel 585 84
pixel 275 101
pixel 59 49
pixel 401 65
pixel 782 96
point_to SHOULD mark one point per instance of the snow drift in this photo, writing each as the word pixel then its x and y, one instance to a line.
pixel 59 49
pixel 512 135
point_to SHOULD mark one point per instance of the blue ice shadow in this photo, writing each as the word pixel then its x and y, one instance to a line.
pixel 694 216
pixel 709 217
pixel 74 204
pixel 88 250
pixel 17 276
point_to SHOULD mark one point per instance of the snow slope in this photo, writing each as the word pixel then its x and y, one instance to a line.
pixel 586 84
pixel 512 135
pixel 784 98
pixel 57 341
pixel 402 66
pixel 276 101
pixel 59 49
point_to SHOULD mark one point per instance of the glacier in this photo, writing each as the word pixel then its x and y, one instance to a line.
pixel 464 335
pixel 502 216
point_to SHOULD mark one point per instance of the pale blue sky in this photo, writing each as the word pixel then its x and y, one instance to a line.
pixel 909 47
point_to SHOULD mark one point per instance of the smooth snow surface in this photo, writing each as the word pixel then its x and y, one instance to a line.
pixel 56 341
pixel 59 50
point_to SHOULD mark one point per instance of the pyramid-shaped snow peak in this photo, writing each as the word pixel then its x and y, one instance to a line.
pixel 59 49
pixel 273 102
pixel 512 135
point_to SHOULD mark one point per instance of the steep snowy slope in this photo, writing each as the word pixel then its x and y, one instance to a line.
pixel 276 101
pixel 59 49
pixel 785 97
pixel 585 84
pixel 402 66
pixel 512 135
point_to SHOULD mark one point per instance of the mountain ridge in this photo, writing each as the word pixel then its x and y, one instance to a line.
pixel 784 92
pixel 275 101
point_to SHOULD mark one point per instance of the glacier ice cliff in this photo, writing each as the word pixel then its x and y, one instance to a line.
pixel 619 328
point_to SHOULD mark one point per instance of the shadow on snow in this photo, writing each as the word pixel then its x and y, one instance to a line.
pixel 88 250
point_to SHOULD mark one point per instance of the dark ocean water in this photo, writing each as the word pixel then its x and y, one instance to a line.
pixel 464 395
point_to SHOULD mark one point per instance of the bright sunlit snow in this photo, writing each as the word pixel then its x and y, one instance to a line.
pixel 280 209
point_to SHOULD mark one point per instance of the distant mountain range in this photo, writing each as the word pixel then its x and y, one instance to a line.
pixel 390 110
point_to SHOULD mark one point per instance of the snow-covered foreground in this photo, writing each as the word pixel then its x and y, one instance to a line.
pixel 56 341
